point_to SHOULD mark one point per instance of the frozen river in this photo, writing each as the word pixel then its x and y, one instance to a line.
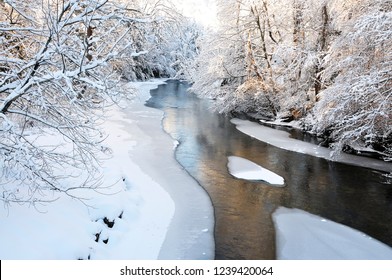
pixel 354 196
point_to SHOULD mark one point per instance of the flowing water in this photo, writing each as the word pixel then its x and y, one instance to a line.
pixel 357 197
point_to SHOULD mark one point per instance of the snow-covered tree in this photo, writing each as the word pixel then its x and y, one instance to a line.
pixel 235 60
pixel 166 44
pixel 328 61
pixel 58 70
pixel 269 52
pixel 355 109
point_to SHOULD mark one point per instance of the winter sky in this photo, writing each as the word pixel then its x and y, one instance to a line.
pixel 203 11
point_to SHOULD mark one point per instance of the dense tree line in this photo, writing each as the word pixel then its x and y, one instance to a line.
pixel 326 64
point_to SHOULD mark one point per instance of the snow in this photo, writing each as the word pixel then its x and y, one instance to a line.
pixel 279 122
pixel 185 238
pixel 144 192
pixel 246 169
pixel 158 210
pixel 281 139
pixel 301 235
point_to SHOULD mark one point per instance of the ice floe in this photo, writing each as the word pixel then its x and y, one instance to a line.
pixel 245 169
pixel 301 235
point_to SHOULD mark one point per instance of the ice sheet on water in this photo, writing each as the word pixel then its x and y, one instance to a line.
pixel 301 235
pixel 245 169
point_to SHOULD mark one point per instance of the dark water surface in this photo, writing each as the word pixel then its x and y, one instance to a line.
pixel 357 197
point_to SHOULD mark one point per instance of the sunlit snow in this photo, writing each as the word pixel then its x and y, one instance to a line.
pixel 301 235
pixel 245 169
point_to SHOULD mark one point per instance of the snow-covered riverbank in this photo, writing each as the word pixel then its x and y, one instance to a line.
pixel 281 139
pixel 142 213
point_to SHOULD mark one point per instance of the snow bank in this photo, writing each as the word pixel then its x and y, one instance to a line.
pixel 245 169
pixel 186 236
pixel 137 209
pixel 281 139
pixel 301 235
pixel 133 215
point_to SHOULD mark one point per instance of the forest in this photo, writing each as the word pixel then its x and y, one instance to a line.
pixel 324 66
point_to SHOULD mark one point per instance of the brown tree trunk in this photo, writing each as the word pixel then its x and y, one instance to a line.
pixel 298 32
pixel 261 26
pixel 322 45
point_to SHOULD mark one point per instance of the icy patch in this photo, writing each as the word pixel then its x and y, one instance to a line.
pixel 301 235
pixel 184 237
pixel 281 139
pixel 245 169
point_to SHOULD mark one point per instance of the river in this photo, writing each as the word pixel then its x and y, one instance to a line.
pixel 358 197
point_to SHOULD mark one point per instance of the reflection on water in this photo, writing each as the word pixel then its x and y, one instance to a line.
pixel 353 196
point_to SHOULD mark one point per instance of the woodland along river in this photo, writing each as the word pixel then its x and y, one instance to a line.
pixel 357 197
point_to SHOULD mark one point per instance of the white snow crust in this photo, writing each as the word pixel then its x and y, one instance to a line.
pixel 281 139
pixel 304 236
pixel 245 169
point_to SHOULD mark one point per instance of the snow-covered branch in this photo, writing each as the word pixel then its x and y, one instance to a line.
pixel 57 73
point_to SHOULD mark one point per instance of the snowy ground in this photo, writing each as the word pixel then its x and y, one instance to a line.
pixel 140 214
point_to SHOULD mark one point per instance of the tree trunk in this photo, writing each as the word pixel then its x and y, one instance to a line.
pixel 322 45
pixel 298 32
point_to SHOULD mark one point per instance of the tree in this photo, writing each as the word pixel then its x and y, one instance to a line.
pixel 57 73
pixel 268 64
pixel 325 63
pixel 234 65
pixel 164 44
pixel 355 109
